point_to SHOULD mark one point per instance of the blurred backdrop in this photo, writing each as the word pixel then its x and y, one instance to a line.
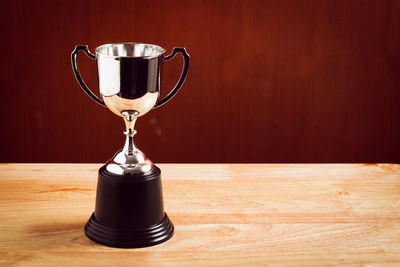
pixel 269 81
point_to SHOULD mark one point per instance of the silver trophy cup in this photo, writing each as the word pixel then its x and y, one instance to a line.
pixel 129 209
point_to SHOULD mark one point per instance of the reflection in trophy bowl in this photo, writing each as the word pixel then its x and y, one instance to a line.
pixel 142 104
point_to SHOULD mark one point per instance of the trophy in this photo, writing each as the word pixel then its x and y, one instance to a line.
pixel 129 210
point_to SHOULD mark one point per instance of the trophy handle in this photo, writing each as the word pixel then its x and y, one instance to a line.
pixel 78 77
pixel 186 58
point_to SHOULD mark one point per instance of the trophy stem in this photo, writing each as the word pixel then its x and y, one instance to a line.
pixel 130 117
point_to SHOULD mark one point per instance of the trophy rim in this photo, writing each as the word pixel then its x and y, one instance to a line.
pixel 129 43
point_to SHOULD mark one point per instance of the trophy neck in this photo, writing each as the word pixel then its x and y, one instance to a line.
pixel 129 160
pixel 130 118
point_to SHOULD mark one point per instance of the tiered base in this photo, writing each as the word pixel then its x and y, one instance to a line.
pixel 129 211
pixel 129 238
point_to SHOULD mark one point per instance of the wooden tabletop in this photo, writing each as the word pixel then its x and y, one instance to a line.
pixel 224 215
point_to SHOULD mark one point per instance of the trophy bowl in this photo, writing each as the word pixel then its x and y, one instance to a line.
pixel 129 211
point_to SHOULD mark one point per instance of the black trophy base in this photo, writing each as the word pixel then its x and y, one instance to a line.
pixel 129 211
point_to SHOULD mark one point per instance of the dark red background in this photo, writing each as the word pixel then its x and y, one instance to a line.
pixel 269 81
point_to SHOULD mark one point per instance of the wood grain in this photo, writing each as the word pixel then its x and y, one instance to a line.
pixel 224 215
pixel 269 81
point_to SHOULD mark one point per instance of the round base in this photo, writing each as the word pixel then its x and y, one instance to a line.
pixel 129 238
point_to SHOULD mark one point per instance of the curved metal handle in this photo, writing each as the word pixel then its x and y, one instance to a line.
pixel 78 77
pixel 186 58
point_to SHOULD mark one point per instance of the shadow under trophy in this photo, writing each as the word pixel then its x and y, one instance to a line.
pixel 129 210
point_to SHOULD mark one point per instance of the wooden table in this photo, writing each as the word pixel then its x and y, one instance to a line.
pixel 224 214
